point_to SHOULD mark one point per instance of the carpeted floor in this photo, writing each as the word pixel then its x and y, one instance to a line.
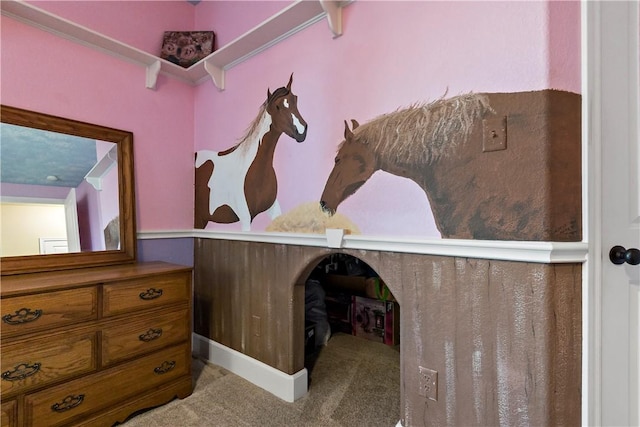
pixel 353 382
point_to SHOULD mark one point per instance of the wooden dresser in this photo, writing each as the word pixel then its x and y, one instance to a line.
pixel 90 346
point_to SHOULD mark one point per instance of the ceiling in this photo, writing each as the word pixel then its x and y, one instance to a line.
pixel 36 157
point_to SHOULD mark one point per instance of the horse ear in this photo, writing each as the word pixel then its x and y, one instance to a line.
pixel 290 81
pixel 354 124
pixel 347 132
pixel 268 93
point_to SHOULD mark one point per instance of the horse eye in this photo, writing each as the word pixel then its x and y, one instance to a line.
pixel 337 160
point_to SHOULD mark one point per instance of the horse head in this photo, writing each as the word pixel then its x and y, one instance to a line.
pixel 354 165
pixel 282 106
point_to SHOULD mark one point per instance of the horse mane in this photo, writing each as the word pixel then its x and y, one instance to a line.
pixel 423 133
pixel 257 122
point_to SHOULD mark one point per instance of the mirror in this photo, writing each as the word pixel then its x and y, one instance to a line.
pixel 70 186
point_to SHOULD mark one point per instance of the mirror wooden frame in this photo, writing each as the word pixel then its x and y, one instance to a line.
pixel 126 193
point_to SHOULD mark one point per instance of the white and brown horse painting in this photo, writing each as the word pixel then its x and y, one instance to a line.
pixel 494 166
pixel 239 183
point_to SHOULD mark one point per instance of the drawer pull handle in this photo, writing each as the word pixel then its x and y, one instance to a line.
pixel 21 371
pixel 67 403
pixel 24 315
pixel 150 294
pixel 165 367
pixel 150 335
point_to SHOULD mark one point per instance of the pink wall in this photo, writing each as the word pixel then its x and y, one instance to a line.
pixel 392 54
pixel 89 227
pixel 231 19
pixel 45 73
pixel 34 191
pixel 124 20
pixel 563 39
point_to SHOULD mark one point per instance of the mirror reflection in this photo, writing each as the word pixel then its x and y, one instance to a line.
pixel 58 193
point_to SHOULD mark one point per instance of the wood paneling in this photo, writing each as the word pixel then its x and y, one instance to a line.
pixel 505 337
pixel 245 298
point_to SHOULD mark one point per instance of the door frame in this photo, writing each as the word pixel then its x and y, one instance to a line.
pixel 592 221
pixel 592 190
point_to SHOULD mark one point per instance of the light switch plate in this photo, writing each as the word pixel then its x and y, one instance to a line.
pixel 494 134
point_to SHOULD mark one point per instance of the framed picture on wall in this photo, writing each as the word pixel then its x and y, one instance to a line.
pixel 185 48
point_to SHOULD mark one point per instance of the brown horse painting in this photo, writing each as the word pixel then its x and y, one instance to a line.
pixel 239 183
pixel 482 180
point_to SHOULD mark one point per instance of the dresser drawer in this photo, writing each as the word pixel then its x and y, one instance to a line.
pixel 29 313
pixel 9 413
pixel 143 334
pixel 149 292
pixel 45 360
pixel 58 405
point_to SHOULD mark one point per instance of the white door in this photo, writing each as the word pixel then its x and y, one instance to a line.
pixel 616 82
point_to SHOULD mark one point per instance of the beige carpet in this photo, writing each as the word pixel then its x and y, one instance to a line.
pixel 354 382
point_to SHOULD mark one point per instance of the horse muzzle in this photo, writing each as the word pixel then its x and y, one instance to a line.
pixel 326 209
pixel 299 137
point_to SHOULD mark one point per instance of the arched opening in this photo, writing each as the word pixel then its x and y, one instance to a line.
pixel 352 341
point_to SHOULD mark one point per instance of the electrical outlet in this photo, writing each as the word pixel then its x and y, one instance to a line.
pixel 428 383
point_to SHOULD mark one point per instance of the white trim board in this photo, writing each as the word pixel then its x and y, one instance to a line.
pixel 521 251
pixel 287 387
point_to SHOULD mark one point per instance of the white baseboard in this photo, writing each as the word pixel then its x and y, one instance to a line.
pixel 286 387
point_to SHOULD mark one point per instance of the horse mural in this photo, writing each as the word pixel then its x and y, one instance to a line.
pixel 479 184
pixel 239 183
